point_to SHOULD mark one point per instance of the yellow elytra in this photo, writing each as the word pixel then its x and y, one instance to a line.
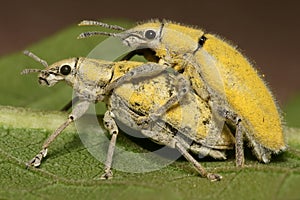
pixel 218 73
pixel 247 94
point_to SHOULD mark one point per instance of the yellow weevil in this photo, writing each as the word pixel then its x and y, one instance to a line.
pixel 218 73
pixel 144 97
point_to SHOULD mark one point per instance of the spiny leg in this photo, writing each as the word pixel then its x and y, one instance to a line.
pixel 181 145
pixel 78 111
pixel 239 149
pixel 239 139
pixel 36 161
pixel 111 126
pixel 202 171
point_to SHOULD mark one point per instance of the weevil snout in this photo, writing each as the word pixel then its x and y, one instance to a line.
pixel 57 72
pixel 42 79
pixel 47 78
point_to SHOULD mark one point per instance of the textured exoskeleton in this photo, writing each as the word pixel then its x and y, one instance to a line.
pixel 218 73
pixel 158 104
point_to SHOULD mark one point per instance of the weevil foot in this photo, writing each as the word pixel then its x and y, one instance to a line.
pixel 214 177
pixel 36 161
pixel 108 174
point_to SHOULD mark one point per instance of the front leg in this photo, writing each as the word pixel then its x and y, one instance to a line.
pixel 77 112
pixel 111 126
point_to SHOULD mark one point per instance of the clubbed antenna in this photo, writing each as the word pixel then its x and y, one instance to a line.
pixel 93 33
pixel 36 58
pixel 96 23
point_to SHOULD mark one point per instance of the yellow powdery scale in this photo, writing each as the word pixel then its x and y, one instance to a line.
pixel 172 36
pixel 251 99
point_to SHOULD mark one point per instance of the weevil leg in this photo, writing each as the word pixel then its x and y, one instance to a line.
pixel 202 171
pixel 146 70
pixel 182 88
pixel 182 146
pixel 111 126
pixel 261 152
pixel 239 149
pixel 77 112
pixel 239 137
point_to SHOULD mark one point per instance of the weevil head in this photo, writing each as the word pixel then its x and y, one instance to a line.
pixel 164 37
pixel 142 36
pixel 59 71
pixel 146 35
pixel 167 39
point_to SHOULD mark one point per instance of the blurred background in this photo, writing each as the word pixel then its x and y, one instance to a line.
pixel 267 31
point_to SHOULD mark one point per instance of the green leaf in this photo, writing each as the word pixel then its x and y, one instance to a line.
pixel 71 172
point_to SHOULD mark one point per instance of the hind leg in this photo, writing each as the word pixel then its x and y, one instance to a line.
pixel 181 146
pixel 239 137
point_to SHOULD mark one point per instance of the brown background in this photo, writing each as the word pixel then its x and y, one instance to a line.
pixel 267 31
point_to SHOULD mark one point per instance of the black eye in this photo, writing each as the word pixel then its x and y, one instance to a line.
pixel 150 34
pixel 202 40
pixel 65 70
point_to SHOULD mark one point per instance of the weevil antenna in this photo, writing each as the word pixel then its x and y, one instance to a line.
pixel 104 25
pixel 28 71
pixel 36 58
pixel 93 33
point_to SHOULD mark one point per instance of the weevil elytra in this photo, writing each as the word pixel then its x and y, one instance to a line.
pixel 153 104
pixel 219 73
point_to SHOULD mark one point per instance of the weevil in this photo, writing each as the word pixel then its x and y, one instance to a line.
pixel 157 103
pixel 218 72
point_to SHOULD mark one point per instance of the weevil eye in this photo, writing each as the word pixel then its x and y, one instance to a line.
pixel 65 69
pixel 150 34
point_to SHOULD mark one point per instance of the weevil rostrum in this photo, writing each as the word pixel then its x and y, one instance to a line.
pixel 218 73
pixel 158 104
